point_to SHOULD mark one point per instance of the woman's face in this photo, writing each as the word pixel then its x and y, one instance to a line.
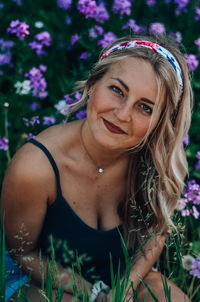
pixel 121 104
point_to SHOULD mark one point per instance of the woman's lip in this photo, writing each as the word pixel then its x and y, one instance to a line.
pixel 113 128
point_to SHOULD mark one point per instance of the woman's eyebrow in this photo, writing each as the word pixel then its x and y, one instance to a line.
pixel 127 89
pixel 122 83
pixel 148 101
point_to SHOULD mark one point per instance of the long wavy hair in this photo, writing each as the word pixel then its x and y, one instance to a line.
pixel 158 165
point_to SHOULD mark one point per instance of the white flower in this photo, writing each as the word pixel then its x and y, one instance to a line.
pixel 181 204
pixel 62 107
pixel 39 24
pixel 23 88
pixel 187 261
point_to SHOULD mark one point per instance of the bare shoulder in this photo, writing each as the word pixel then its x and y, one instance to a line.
pixel 29 182
pixel 59 136
pixel 30 167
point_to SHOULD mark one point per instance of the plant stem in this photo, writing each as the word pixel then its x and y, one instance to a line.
pixel 191 287
pixel 195 292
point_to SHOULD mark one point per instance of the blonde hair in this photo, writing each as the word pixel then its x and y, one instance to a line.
pixel 158 165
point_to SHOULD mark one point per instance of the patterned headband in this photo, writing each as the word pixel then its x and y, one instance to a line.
pixel 157 48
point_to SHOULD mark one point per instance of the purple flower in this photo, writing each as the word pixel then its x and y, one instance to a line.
pixel 198 163
pixel 1 5
pixel 34 106
pixel 74 38
pixel 40 40
pixel 5 58
pixel 157 28
pixel 64 4
pixel 180 6
pixel 101 14
pixel 87 7
pixel 195 212
pixel 186 140
pixel 185 213
pixel 197 16
pixel 37 81
pixel 197 166
pixel 68 20
pixel 4 143
pixel 99 29
pixel 68 100
pixel 197 42
pixel 107 39
pixel 77 96
pixel 95 31
pixel 192 193
pixel 81 114
pixel 195 268
pixel 49 120
pixel 123 7
pixel 85 55
pixel 6 45
pixel 177 36
pixel 135 28
pixel 34 120
pixel 150 2
pixel 18 28
pixel 30 136
pixel 191 61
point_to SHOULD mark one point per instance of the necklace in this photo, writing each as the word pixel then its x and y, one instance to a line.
pixel 100 169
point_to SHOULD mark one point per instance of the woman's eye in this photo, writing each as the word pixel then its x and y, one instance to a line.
pixel 116 90
pixel 146 108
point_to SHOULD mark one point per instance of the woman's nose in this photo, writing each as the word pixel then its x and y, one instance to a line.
pixel 123 112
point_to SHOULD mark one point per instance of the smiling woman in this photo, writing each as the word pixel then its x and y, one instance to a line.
pixel 119 170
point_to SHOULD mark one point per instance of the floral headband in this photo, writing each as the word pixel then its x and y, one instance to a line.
pixel 157 48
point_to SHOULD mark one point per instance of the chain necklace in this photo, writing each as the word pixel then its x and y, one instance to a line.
pixel 100 169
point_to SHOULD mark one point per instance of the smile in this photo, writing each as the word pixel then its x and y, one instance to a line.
pixel 113 128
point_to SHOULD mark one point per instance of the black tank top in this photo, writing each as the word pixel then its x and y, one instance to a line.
pixel 75 243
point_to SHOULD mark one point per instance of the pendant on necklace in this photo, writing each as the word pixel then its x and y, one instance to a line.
pixel 100 170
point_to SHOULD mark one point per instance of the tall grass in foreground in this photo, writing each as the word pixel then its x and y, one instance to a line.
pixel 118 287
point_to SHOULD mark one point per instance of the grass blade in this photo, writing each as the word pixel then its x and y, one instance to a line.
pixel 149 289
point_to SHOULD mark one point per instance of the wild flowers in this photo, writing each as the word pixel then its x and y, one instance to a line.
pixel 64 4
pixel 195 268
pixel 191 61
pixel 40 40
pixel 87 7
pixel 190 200
pixel 198 163
pixel 122 7
pixel 157 28
pixel 18 28
pixel 37 81
pixel 3 143
pixel 107 38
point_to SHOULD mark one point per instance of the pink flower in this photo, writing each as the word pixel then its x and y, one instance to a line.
pixel 195 212
pixel 87 7
pixel 191 61
pixel 18 28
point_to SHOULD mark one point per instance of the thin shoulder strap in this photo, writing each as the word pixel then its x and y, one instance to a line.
pixel 52 161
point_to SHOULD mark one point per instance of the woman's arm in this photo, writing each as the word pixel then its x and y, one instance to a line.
pixel 145 262
pixel 27 187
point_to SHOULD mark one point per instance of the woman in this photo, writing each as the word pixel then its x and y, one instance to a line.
pixel 120 170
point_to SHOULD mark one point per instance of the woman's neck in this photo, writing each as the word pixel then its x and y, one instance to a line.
pixel 101 157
